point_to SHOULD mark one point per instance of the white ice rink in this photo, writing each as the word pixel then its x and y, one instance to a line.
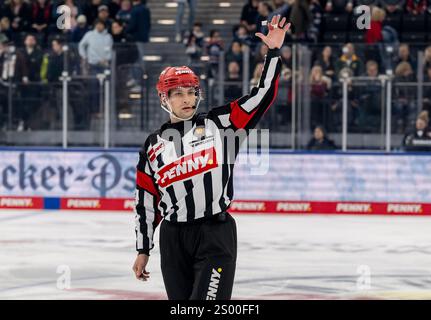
pixel 279 257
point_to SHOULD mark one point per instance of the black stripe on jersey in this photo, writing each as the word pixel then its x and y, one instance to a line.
pixel 190 202
pixel 171 192
pixel 143 228
pixel 208 186
pixel 225 174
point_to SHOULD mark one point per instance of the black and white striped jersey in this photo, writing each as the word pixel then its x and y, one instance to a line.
pixel 185 169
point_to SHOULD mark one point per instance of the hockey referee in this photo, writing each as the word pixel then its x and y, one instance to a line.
pixel 184 180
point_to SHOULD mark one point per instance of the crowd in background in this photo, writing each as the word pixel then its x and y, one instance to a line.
pixel 97 26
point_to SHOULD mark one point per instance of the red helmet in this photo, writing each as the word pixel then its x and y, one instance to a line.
pixel 174 77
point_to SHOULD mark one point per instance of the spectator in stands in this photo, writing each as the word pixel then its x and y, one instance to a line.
pixel 118 34
pixel 233 89
pixel 234 54
pixel 19 14
pixel 103 15
pixel 404 56
pixel 198 34
pixel 286 59
pixel 427 59
pixel 404 96
pixel 179 19
pixel 91 11
pixel 261 53
pixel 125 12
pixel 316 15
pixel 264 10
pixel 96 48
pixel 420 138
pixel 320 140
pixel 393 8
pixel 193 49
pixel 5 28
pixel 281 7
pixel 41 16
pixel 319 88
pixel 374 34
pixel 349 60
pixel 249 15
pixel 416 6
pixel 256 74
pixel 327 62
pixel 55 61
pixel 114 7
pixel 427 90
pixel 140 23
pixel 339 6
pixel 80 29
pixel 11 62
pixel 242 35
pixel 301 19
pixel 32 57
pixel 214 48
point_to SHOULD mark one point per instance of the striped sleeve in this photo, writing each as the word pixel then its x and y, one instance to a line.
pixel 147 197
pixel 246 111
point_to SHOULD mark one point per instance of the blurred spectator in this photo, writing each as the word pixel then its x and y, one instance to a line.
pixel 404 96
pixel 416 6
pixel 369 111
pixel 319 88
pixel 12 66
pixel 103 15
pixel 420 138
pixel 96 48
pixel 320 140
pixel 234 54
pixel 393 8
pixel 249 15
pixel 55 61
pixel 193 49
pixel 214 48
pixel 118 34
pixel 264 10
pixel 233 89
pixel 256 74
pixel 327 62
pixel 125 12
pixel 261 53
pixel 301 19
pixel 140 22
pixel 317 15
pixel 80 29
pixel 5 28
pixel 281 7
pixel 286 59
pixel 41 16
pixel 349 60
pixel 90 10
pixel 242 35
pixel 198 34
pixel 404 56
pixel 427 90
pixel 374 34
pixel 19 14
pixel 179 19
pixel 114 7
pixel 32 57
pixel 427 59
pixel 339 6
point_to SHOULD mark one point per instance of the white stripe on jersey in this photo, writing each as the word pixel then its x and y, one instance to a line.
pixel 253 102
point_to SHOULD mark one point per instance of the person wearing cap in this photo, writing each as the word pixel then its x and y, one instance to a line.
pixel 80 29
pixel 103 15
pixel 185 176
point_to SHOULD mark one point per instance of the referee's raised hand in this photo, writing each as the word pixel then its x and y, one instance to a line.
pixel 277 31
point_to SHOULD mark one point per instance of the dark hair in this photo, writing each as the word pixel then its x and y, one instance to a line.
pixel 97 21
pixel 197 24
pixel 321 129
pixel 58 40
pixel 213 32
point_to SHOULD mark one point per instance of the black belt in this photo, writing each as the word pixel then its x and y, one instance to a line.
pixel 219 217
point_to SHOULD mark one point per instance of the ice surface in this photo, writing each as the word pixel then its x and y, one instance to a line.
pixel 279 257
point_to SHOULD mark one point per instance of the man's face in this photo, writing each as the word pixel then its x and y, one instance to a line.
pixel 125 5
pixel 372 71
pixel 318 134
pixel 404 52
pixel 100 27
pixel 182 101
pixel 103 15
pixel 116 28
pixel 30 42
pixel 56 47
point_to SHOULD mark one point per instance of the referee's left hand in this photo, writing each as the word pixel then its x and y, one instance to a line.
pixel 139 267
pixel 277 31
